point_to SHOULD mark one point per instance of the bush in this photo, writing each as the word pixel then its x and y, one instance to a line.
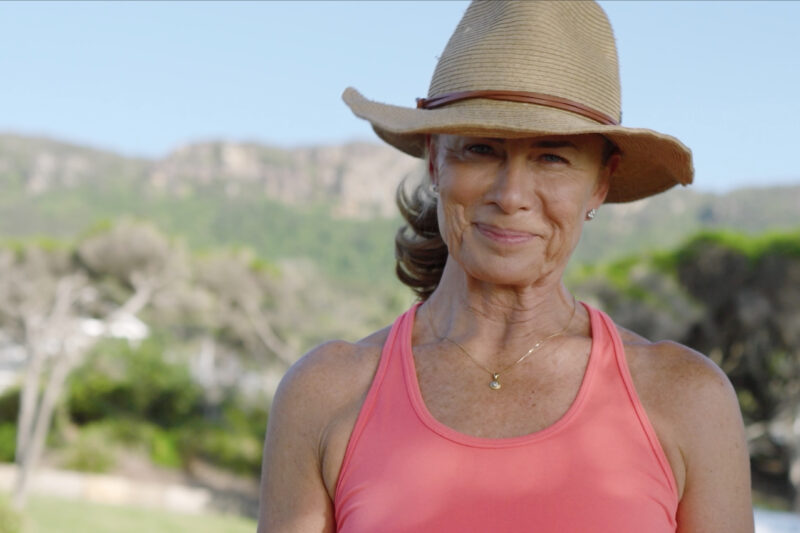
pixel 9 405
pixel 235 451
pixel 8 441
pixel 136 399
pixel 120 381
pixel 164 449
pixel 92 452
pixel 251 420
pixel 91 396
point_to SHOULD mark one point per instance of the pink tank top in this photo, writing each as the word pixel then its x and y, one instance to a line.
pixel 599 468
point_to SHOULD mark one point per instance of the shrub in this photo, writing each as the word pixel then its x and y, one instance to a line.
pixel 90 452
pixel 164 449
pixel 137 399
pixel 120 381
pixel 232 450
pixel 9 405
pixel 8 441
pixel 91 396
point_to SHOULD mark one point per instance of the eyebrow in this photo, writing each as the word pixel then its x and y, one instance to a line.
pixel 540 144
pixel 555 144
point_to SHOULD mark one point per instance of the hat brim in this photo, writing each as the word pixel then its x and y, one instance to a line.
pixel 651 162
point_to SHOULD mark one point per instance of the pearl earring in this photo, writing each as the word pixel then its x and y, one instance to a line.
pixel 591 214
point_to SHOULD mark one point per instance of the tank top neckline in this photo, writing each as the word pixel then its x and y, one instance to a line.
pixel 425 416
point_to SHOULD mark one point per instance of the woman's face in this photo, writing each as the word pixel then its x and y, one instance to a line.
pixel 511 210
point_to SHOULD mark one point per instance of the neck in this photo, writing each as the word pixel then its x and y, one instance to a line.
pixel 497 323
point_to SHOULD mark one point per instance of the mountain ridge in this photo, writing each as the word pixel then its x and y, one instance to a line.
pixel 225 193
pixel 343 176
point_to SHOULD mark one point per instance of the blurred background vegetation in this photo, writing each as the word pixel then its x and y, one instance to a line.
pixel 149 308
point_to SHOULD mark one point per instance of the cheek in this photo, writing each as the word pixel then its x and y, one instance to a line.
pixel 570 202
pixel 453 222
pixel 567 211
pixel 455 202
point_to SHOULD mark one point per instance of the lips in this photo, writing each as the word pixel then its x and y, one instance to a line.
pixel 503 235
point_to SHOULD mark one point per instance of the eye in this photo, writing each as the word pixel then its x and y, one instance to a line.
pixel 552 158
pixel 480 149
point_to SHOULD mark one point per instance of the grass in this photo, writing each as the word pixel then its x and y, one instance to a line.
pixel 53 515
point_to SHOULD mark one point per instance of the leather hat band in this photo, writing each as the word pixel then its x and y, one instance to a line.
pixel 519 96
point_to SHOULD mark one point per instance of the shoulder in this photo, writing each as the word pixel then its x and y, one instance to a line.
pixel 679 379
pixel 332 370
pixel 296 493
pixel 695 412
pixel 328 380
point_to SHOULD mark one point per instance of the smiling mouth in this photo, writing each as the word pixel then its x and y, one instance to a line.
pixel 503 235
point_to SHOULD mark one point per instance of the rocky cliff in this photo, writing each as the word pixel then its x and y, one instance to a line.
pixel 357 180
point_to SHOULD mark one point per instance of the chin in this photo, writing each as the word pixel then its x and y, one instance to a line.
pixel 508 272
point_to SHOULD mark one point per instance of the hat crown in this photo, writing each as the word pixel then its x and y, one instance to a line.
pixel 559 48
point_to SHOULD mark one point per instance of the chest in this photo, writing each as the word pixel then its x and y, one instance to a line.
pixel 445 398
pixel 532 396
pixel 577 461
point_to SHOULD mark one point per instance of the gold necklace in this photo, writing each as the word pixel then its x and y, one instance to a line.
pixel 495 383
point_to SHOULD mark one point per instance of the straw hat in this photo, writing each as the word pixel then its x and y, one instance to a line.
pixel 525 68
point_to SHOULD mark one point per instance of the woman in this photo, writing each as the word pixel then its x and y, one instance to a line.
pixel 498 403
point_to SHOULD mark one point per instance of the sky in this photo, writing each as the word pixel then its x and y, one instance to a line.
pixel 144 78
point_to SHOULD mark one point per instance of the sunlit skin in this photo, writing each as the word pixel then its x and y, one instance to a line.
pixel 511 210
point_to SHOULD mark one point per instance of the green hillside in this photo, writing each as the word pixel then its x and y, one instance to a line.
pixel 60 190
pixel 345 249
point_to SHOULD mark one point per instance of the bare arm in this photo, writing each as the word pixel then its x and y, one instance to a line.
pixel 293 495
pixel 716 495
pixel 312 416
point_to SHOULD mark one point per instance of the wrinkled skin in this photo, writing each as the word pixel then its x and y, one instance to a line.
pixel 511 211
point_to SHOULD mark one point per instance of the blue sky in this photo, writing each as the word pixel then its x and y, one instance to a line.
pixel 143 78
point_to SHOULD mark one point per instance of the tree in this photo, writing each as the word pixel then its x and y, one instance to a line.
pixel 228 313
pixel 46 293
pixel 39 288
pixel 751 291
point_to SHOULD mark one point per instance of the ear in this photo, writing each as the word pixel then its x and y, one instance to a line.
pixel 604 181
pixel 430 143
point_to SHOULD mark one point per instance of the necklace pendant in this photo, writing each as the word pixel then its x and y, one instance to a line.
pixel 495 383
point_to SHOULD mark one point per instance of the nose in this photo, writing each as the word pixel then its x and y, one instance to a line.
pixel 514 188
